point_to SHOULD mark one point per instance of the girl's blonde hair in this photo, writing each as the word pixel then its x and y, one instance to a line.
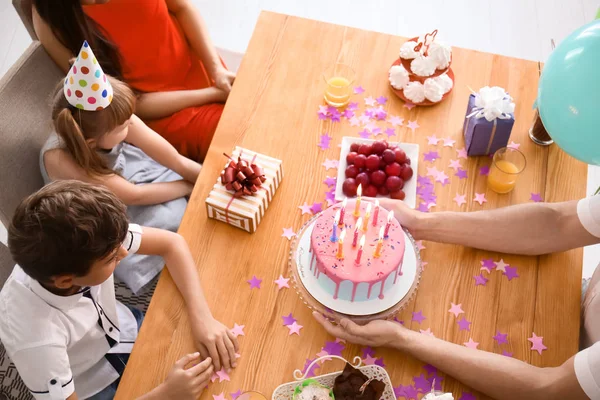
pixel 75 126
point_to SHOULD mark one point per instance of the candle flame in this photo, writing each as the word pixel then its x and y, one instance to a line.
pixel 337 217
pixel 359 223
pixel 381 234
pixel 390 216
pixel 369 209
pixel 376 203
pixel 362 241
pixel 359 191
pixel 342 236
pixel 344 202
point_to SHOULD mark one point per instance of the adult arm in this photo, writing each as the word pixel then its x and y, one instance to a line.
pixel 528 229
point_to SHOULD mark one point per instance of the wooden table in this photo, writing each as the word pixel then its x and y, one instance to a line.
pixel 273 110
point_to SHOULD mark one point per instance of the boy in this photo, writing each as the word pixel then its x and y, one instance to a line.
pixel 59 319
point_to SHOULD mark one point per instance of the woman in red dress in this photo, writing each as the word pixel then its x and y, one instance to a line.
pixel 161 48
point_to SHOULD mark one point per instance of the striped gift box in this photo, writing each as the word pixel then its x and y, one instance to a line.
pixel 246 212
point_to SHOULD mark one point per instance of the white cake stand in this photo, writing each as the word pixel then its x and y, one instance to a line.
pixel 316 298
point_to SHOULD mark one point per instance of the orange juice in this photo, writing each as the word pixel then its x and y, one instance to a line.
pixel 337 93
pixel 503 176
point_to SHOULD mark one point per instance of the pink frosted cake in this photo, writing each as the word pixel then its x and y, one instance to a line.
pixel 342 276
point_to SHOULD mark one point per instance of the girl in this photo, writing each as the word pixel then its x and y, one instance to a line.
pixel 99 140
pixel 161 48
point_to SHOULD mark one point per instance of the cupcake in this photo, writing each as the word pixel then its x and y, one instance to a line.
pixel 310 389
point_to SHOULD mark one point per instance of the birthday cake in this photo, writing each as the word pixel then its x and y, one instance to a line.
pixel 352 263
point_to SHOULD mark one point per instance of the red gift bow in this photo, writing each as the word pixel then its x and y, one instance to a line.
pixel 243 178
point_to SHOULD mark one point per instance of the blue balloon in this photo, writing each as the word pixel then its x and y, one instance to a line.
pixel 569 94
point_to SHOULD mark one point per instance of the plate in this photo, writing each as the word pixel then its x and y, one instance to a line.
pixel 410 187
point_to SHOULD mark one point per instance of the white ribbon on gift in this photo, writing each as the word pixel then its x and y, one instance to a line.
pixel 492 103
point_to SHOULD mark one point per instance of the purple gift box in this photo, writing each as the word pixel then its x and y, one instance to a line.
pixel 483 137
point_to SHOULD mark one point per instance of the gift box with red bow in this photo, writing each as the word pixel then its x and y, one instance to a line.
pixel 245 189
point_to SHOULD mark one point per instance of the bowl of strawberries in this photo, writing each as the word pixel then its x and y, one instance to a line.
pixel 382 169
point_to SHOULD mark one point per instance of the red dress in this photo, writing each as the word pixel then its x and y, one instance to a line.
pixel 156 57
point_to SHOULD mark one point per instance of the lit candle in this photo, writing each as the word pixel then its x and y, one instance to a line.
pixel 377 253
pixel 333 237
pixel 358 226
pixel 367 216
pixel 360 249
pixel 343 213
pixel 376 213
pixel 389 223
pixel 358 198
pixel 340 253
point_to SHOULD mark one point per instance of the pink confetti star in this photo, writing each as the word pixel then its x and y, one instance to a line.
pixel 330 164
pixel 359 90
pixel 364 119
pixel 433 172
pixel 460 199
pixel 312 372
pixel 431 205
pixel 324 141
pixel 288 233
pixel 323 110
pixel 396 121
pixel 501 337
pixel 294 328
pixel 316 208
pixel 348 113
pixel 480 198
pixel 513 145
pixel 480 280
pixel 537 344
pixel 464 325
pixel 352 106
pixel 506 353
pixel 370 101
pixel 255 283
pixel 370 126
pixel 432 140
pixel 412 125
pixel 330 181
pixel 501 266
pixel 408 105
pixel 420 245
pixel 485 170
pixel 390 132
pixel 423 207
pixel 305 208
pixel 235 395
pixel 441 177
pixel 462 153
pixel 427 332
pixel 282 282
pixel 536 197
pixel 455 165
pixel 431 156
pixel 449 142
pixel 471 344
pixel 461 173
pixel 238 330
pixel 364 134
pixel 288 320
pixel 382 100
pixel 456 309
pixel 354 121
pixel 368 360
pixel 223 375
pixel 219 396
pixel 510 272
pixel 418 317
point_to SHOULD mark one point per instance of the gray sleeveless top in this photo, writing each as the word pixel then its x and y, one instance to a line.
pixel 138 168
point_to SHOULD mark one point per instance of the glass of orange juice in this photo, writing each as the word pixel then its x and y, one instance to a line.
pixel 339 80
pixel 507 166
pixel 252 396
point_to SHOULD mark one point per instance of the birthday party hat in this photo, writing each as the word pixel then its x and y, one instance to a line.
pixel 86 86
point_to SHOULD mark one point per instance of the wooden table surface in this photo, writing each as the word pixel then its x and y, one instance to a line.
pixel 273 110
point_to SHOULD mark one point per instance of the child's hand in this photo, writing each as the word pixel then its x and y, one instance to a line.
pixel 214 339
pixel 187 384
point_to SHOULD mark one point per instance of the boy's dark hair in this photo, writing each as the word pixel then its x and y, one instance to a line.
pixel 64 228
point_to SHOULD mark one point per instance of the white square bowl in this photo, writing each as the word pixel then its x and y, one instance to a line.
pixel 410 187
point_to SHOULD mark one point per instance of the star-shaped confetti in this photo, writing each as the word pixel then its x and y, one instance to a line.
pixel 323 110
pixel 467 396
pixel 370 126
pixel 238 330
pixel 282 282
pixel 441 177
pixel 324 141
pixel 506 353
pixel 536 197
pixel 223 375
pixel 294 328
pixel 312 372
pixel 423 207
pixel 288 233
pixel 462 153
pixel 427 332
pixel 255 283
pixel 235 395
pixel 420 246
pixel 433 140
pixel 408 105
pixel 501 265
pixel 471 344
pixel 460 199
pixel 396 121
pixel 368 351
pixel 305 208
pixel 412 125
pixel 433 172
pixel 316 208
pixel 359 90
pixel 334 348
pixel 449 142
pixel 536 343
pixel 390 132
pixel 480 198
pixel 365 134
pixel 431 156
pixel 330 181
pixel 501 338
pixel 464 325
pixel 330 164
pixel 485 170
pixel 461 173
pixel 336 116
pixel 219 396
pixel 352 106
pixel 288 320
pixel 430 369
pixel 510 272
pixel 456 309
pixel 348 113
pixel 370 101
pixel 455 165
pixel 488 263
pixel 376 131
pixel 513 145
pixel 418 317
pixel 354 121
pixel 382 100
pixel 480 280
